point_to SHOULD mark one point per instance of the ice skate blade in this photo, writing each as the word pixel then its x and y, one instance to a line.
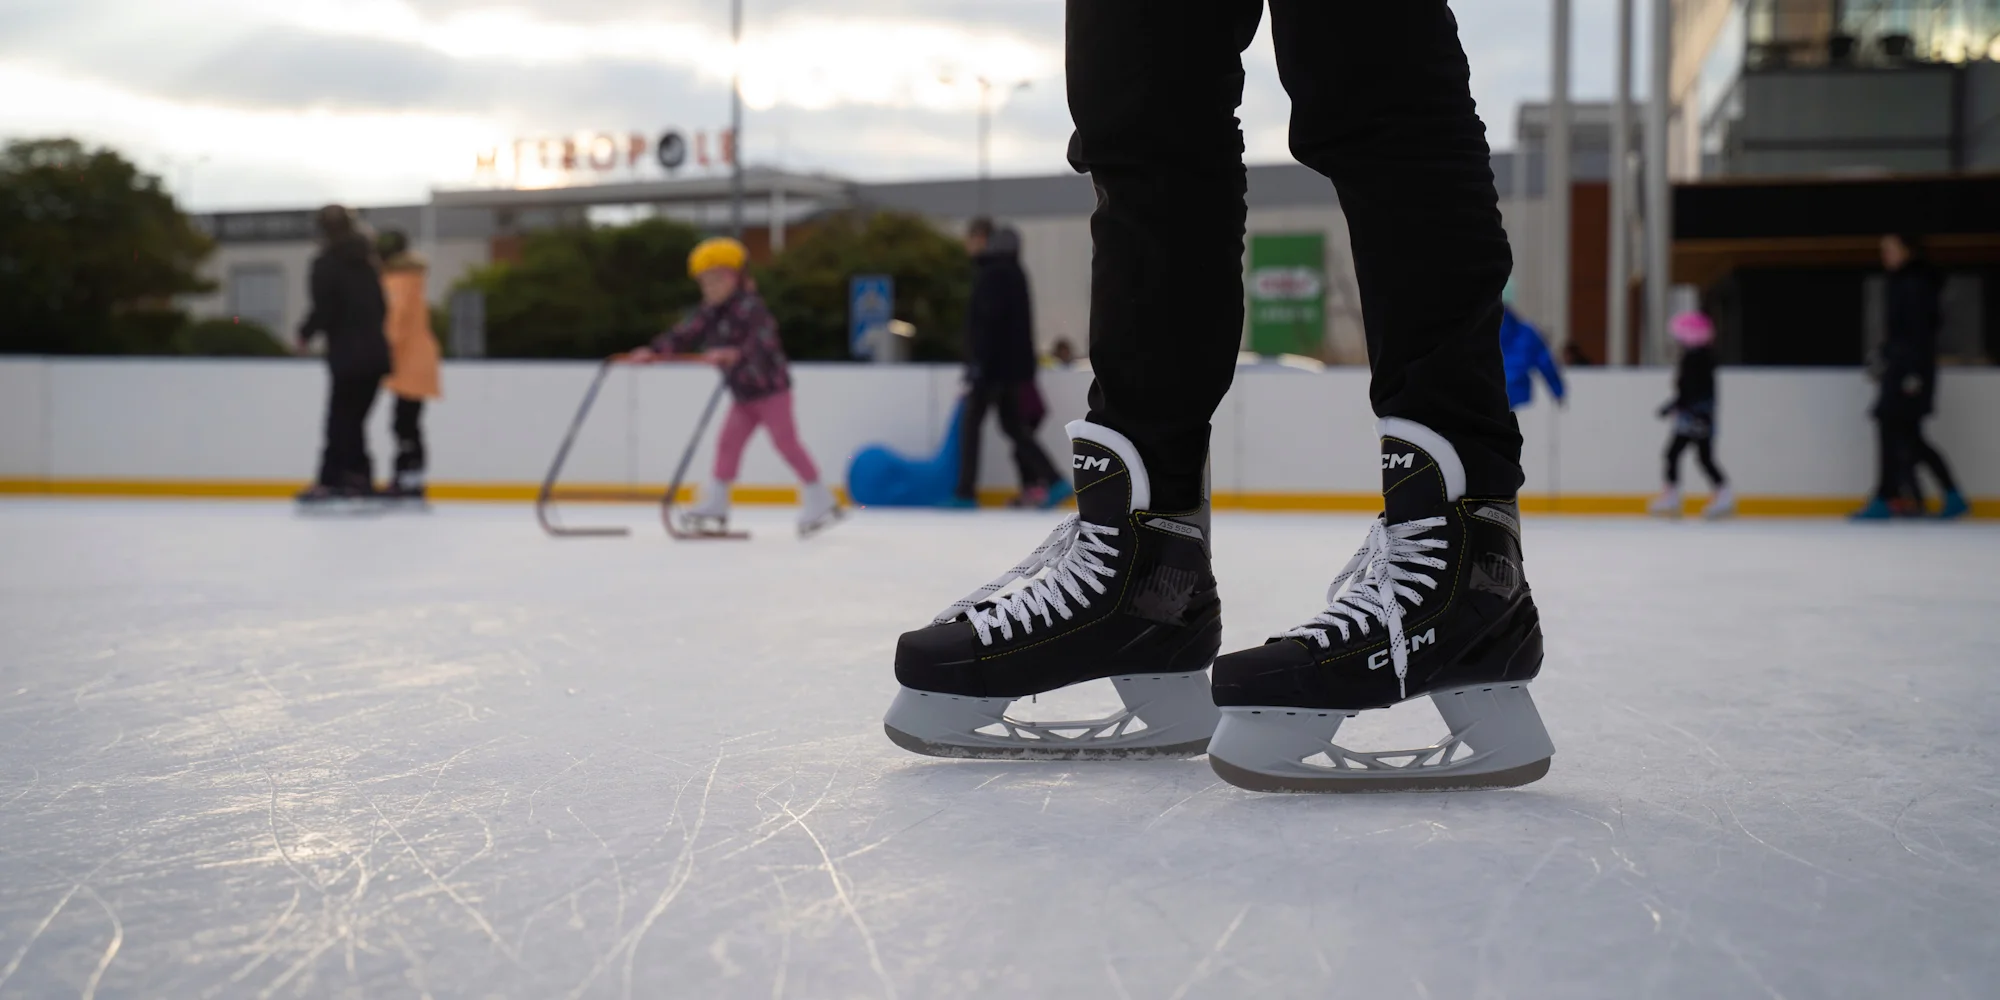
pixel 336 509
pixel 814 529
pixel 1166 716
pixel 1255 782
pixel 1182 751
pixel 1495 740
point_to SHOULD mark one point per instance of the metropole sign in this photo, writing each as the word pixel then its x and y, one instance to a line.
pixel 581 154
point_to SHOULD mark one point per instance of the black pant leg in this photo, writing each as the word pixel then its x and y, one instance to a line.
pixel 1153 89
pixel 1886 484
pixel 1382 105
pixel 1922 453
pixel 977 398
pixel 1675 446
pixel 344 462
pixel 409 430
pixel 1704 449
pixel 1900 439
pixel 361 466
pixel 1030 461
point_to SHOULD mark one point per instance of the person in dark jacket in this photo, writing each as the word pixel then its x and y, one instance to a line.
pixel 348 309
pixel 1000 351
pixel 1693 413
pixel 1907 387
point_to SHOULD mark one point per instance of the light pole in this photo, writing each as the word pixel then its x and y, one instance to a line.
pixel 1619 282
pixel 736 119
pixel 986 136
pixel 1557 184
pixel 1659 193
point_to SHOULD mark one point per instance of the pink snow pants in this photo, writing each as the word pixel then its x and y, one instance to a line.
pixel 774 413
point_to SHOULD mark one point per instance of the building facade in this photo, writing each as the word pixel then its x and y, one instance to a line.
pixel 260 265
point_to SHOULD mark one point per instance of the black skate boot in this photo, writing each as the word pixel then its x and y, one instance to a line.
pixel 1117 591
pixel 1434 604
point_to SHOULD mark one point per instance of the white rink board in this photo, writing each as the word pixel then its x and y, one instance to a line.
pixel 1783 432
pixel 248 754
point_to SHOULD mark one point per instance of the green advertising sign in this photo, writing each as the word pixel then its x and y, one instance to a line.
pixel 1287 286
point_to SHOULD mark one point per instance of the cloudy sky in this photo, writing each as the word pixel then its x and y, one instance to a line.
pixel 281 103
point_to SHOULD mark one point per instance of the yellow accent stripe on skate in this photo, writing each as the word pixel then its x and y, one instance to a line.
pixel 1354 503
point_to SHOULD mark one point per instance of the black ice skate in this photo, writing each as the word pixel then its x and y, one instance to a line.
pixel 1434 604
pixel 1117 591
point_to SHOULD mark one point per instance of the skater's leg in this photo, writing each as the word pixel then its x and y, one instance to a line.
pixel 410 457
pixel 736 430
pixel 775 413
pixel 347 465
pixel 1153 89
pixel 1030 461
pixel 1677 444
pixel 1120 591
pixel 1888 478
pixel 330 458
pixel 1436 602
pixel 1923 454
pixel 1704 449
pixel 977 398
pixel 1381 104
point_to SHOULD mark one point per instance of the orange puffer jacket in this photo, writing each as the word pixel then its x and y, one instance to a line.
pixel 413 348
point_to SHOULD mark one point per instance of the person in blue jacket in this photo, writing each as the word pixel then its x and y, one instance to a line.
pixel 1523 350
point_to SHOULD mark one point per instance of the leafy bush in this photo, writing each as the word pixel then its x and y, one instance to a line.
pixel 580 292
pixel 228 338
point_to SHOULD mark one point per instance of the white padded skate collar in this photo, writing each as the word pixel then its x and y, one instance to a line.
pixel 1435 445
pixel 1128 453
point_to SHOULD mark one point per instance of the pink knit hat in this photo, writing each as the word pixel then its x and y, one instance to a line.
pixel 1692 329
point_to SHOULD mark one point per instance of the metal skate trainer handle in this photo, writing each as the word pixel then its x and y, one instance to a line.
pixel 687 454
pixel 544 496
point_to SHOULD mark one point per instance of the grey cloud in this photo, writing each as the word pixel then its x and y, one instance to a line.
pixel 1039 18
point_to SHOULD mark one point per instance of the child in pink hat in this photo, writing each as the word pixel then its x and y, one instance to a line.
pixel 1693 412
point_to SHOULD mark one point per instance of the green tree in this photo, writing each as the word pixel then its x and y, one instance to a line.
pixel 581 292
pixel 807 286
pixel 92 252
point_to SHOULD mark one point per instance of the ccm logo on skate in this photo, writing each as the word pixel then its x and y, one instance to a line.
pixel 1407 460
pixel 1087 464
pixel 1380 658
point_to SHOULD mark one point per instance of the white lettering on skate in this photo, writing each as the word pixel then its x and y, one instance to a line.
pixel 1087 464
pixel 1380 658
pixel 1499 517
pixel 1178 528
pixel 1407 460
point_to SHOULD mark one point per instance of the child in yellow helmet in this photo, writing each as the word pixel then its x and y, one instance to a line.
pixel 735 332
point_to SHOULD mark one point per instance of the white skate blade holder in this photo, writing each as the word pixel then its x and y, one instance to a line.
pixel 1496 740
pixel 1166 716
pixel 343 507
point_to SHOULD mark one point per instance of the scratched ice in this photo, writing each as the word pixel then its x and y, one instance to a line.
pixel 244 754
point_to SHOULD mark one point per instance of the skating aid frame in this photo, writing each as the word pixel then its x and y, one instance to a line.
pixel 680 476
pixel 545 497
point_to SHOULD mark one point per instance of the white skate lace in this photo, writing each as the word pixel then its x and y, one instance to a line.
pixel 1070 557
pixel 1371 584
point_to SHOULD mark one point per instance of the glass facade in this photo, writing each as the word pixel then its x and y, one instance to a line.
pixel 1782 33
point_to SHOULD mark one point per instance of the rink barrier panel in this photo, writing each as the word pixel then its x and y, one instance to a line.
pixel 617 493
pixel 1795 441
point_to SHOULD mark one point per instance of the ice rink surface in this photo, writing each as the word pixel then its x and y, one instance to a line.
pixel 248 754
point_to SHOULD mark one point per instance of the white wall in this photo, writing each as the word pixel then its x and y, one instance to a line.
pixel 1788 433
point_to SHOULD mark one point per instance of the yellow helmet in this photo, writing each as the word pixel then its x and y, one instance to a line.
pixel 717 251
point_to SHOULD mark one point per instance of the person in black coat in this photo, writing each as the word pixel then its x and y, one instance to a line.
pixel 347 309
pixel 1907 393
pixel 1000 365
